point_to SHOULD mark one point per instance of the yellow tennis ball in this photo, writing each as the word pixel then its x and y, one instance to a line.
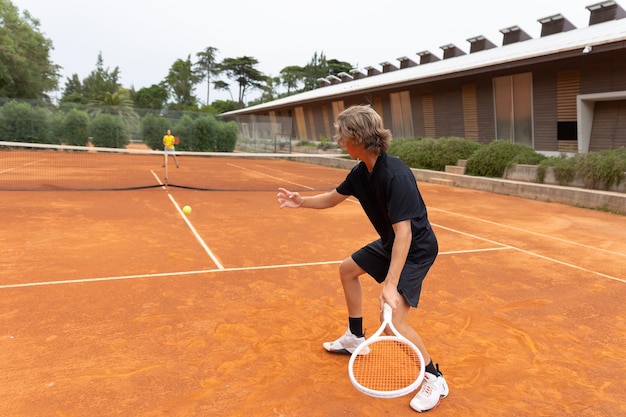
pixel 186 209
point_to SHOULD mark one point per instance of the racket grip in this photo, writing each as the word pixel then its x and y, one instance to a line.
pixel 387 312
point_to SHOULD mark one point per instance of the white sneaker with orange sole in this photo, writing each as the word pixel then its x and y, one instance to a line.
pixel 433 390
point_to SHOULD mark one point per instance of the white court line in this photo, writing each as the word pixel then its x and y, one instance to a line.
pixel 22 166
pixel 193 229
pixel 580 268
pixel 271 176
pixel 221 268
pixel 471 235
pixel 196 234
pixel 157 177
pixel 197 272
pixel 486 240
pixel 530 232
pixel 163 274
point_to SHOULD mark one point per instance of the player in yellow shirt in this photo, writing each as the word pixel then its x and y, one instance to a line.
pixel 169 141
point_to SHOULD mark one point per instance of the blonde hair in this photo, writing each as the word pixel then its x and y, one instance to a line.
pixel 363 126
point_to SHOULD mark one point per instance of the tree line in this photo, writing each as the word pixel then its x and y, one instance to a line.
pixel 106 126
pixel 27 72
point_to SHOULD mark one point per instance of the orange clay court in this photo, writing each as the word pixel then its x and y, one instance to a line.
pixel 116 304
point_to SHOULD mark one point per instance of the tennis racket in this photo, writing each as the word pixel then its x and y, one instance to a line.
pixel 386 366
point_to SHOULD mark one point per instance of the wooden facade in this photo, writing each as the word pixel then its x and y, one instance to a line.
pixel 562 101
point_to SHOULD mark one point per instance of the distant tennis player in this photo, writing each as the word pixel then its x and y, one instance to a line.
pixel 407 248
pixel 169 142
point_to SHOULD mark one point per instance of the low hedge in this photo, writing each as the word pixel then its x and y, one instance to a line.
pixel 493 159
pixel 597 170
pixel 434 154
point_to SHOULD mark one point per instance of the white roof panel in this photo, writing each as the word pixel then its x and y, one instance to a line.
pixel 602 33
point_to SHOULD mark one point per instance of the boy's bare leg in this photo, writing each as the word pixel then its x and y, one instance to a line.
pixel 349 273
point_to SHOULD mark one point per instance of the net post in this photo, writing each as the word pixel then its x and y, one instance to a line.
pixel 165 167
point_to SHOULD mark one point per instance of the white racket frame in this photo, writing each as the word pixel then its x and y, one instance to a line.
pixel 377 336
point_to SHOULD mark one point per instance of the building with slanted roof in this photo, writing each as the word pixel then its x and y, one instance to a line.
pixel 562 92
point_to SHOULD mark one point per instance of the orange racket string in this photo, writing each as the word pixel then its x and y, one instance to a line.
pixel 390 365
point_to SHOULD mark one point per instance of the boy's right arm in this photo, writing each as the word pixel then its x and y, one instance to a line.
pixel 323 201
pixel 291 199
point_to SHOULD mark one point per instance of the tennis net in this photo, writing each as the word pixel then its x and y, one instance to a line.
pixel 43 167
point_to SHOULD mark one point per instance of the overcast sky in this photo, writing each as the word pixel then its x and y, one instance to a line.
pixel 143 38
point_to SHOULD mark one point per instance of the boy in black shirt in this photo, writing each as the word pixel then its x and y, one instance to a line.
pixel 407 248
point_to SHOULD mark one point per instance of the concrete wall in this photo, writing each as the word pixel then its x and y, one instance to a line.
pixel 528 173
pixel 519 183
pixel 575 196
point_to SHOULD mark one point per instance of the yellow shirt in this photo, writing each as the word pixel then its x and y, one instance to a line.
pixel 168 141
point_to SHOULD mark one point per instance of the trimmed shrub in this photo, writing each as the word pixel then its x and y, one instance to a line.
pixel 108 131
pixel 597 170
pixel 434 154
pixel 453 149
pixel 418 153
pixel 56 127
pixel 75 128
pixel 20 122
pixel 492 160
pixel 185 131
pixel 564 167
pixel 205 129
pixel 227 137
pixel 153 129
pixel 406 150
pixel 604 169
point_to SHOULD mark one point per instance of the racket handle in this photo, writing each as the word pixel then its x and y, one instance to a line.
pixel 387 312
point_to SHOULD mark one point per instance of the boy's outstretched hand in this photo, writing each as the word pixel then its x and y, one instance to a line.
pixel 288 198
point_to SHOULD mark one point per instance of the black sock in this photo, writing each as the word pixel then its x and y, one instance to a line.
pixel 356 326
pixel 433 369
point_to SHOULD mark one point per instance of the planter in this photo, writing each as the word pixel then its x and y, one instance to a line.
pixel 528 173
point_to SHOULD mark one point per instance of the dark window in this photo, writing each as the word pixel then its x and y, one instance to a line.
pixel 567 131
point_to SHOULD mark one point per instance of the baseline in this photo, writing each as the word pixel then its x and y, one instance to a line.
pixel 205 271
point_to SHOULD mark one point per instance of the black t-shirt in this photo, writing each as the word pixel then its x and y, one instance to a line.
pixel 388 195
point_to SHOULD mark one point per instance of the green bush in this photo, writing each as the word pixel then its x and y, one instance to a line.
pixel 597 170
pixel 56 127
pixel 108 131
pixel 604 169
pixel 306 143
pixel 424 154
pixel 75 128
pixel 453 149
pixel 153 129
pixel 185 132
pixel 492 160
pixel 435 154
pixel 413 152
pixel 227 137
pixel 565 169
pixel 202 134
pixel 205 130
pixel 398 146
pixel 21 122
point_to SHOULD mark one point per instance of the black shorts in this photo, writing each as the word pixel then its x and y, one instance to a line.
pixel 374 260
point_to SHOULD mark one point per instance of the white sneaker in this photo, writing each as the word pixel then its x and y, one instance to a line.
pixel 434 388
pixel 345 344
